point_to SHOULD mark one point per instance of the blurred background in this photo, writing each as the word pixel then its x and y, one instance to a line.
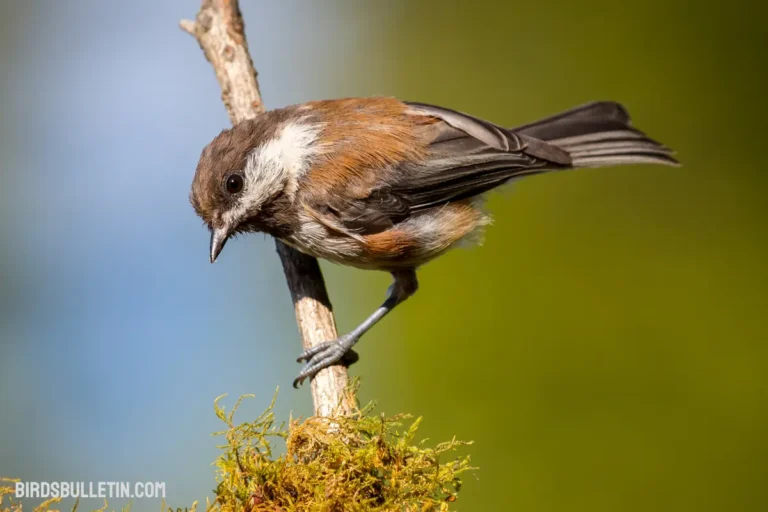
pixel 606 349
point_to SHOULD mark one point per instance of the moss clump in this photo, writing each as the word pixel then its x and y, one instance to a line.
pixel 356 463
pixel 361 462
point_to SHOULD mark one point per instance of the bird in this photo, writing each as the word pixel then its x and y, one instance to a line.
pixel 382 184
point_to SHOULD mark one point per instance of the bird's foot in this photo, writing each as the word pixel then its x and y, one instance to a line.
pixel 326 354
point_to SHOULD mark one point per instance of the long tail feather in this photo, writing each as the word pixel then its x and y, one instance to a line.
pixel 599 134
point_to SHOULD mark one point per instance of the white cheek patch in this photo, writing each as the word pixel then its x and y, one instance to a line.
pixel 295 146
pixel 277 164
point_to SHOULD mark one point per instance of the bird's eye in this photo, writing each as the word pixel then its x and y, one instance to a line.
pixel 234 183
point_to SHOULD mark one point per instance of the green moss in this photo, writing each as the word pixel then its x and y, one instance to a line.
pixel 356 463
pixel 361 462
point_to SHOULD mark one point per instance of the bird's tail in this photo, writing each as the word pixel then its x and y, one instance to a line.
pixel 599 134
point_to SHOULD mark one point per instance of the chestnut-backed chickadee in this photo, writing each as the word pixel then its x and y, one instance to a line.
pixel 388 185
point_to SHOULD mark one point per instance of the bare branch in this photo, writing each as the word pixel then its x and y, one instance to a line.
pixel 220 31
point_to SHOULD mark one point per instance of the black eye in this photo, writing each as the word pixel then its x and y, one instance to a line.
pixel 234 183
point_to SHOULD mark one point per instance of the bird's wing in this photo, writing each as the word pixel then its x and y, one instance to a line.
pixel 463 157
pixel 468 156
pixel 374 213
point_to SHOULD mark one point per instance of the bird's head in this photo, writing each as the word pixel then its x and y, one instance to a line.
pixel 247 166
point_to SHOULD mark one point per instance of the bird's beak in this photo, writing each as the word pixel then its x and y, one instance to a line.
pixel 219 237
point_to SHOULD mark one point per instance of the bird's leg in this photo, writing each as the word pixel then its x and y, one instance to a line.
pixel 331 352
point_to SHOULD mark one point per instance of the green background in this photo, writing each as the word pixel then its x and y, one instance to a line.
pixel 606 347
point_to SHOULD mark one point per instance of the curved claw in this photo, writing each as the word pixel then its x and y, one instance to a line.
pixel 324 355
pixel 311 351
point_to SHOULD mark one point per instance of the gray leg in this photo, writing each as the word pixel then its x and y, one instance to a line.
pixel 331 352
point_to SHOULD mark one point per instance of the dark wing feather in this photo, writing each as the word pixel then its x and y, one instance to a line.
pixel 378 212
pixel 452 179
pixel 490 134
pixel 467 156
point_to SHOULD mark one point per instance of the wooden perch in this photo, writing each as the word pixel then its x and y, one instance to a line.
pixel 220 30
